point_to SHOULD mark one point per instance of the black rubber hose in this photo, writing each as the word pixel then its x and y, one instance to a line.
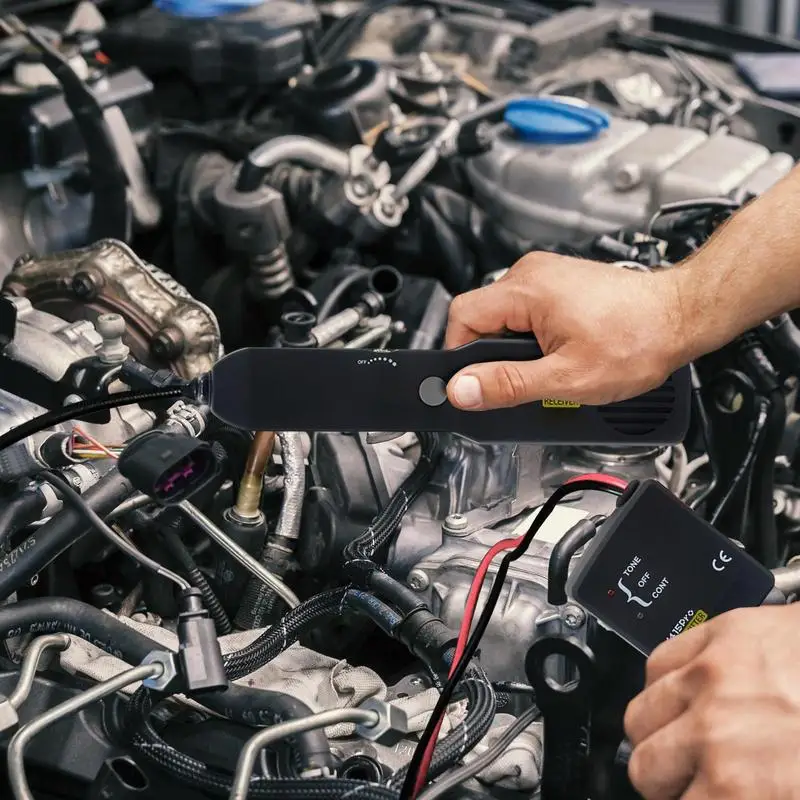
pixel 189 567
pixel 82 409
pixel 238 703
pixel 561 557
pixel 764 523
pixel 43 546
pixel 399 595
pixel 20 511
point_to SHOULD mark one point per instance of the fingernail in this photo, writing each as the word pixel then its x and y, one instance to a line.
pixel 467 392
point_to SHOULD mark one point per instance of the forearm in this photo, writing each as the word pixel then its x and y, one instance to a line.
pixel 747 273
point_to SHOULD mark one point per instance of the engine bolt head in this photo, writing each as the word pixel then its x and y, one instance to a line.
pixel 418 580
pixel 85 285
pixel 167 344
pixel 25 258
pixel 455 523
pixel 573 616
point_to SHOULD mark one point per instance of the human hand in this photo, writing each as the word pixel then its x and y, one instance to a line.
pixel 719 718
pixel 608 333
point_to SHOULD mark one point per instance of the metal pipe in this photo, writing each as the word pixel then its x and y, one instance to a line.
pixel 131 504
pixel 429 158
pixel 266 736
pixel 76 501
pixel 30 663
pixel 20 740
pixel 241 555
pixel 300 149
pixel 248 498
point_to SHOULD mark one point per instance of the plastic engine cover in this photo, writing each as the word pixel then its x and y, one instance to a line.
pixel 617 179
pixel 260 45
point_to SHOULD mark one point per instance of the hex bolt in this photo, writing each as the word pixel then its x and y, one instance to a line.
pixel 418 580
pixel 573 616
pixel 86 285
pixel 167 344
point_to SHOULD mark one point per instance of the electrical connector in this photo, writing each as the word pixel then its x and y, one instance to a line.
pixel 138 376
pixel 168 467
pixel 199 654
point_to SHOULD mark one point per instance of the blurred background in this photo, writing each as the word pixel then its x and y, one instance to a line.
pixel 781 17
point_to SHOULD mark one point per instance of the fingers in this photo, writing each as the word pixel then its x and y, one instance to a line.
pixel 489 310
pixel 677 652
pixel 503 384
pixel 658 706
pixel 674 672
pixel 664 765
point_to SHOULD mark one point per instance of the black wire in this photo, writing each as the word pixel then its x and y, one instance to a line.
pixel 483 621
pixel 747 461
pixel 73 498
pixel 351 278
pixel 84 408
pixel 705 431
pixel 764 524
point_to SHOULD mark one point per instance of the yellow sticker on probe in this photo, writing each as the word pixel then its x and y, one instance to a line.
pixel 550 403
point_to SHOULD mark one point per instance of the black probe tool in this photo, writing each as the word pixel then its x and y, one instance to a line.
pixel 312 389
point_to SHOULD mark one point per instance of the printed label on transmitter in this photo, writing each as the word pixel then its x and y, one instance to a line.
pixel 691 619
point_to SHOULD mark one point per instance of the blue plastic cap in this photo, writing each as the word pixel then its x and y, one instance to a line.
pixel 542 120
pixel 204 9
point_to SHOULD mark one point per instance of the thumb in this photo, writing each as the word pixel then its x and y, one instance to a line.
pixel 503 384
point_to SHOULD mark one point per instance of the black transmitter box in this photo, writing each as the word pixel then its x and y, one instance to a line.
pixel 656 569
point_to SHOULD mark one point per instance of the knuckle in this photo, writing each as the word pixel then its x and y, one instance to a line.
pixel 458 306
pixel 706 671
pixel 510 383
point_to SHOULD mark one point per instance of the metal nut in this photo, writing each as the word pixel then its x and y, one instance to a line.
pixel 390 718
pixel 168 661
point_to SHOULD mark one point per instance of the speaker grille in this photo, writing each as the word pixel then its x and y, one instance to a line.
pixel 643 415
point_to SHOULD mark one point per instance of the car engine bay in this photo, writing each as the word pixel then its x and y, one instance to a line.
pixel 180 183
